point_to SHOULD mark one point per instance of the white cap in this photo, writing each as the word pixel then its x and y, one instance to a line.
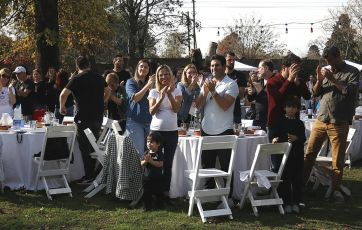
pixel 19 69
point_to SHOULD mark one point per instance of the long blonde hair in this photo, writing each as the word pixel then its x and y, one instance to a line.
pixel 184 79
pixel 172 77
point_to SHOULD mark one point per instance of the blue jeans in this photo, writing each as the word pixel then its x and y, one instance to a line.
pixel 138 132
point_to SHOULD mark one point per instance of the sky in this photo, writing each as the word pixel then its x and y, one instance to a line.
pixel 223 13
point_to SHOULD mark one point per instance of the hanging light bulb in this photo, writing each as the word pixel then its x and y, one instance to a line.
pixel 218 31
pixel 311 27
pixel 286 28
pixel 261 30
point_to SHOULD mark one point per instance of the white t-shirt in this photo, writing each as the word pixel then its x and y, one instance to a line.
pixel 165 119
pixel 216 120
pixel 5 106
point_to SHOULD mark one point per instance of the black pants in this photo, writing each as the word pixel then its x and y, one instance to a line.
pixel 291 189
pixel 152 186
pixel 208 159
pixel 86 148
pixel 169 145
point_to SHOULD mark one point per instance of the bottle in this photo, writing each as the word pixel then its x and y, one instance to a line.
pixel 17 117
pixel 310 110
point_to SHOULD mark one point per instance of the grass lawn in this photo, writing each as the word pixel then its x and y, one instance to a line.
pixel 29 210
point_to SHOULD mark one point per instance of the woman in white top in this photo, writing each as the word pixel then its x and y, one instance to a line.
pixel 7 94
pixel 164 103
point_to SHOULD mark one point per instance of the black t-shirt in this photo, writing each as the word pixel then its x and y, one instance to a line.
pixel 240 79
pixel 295 127
pixel 88 93
pixel 118 112
pixel 124 75
pixel 27 106
pixel 40 94
pixel 150 171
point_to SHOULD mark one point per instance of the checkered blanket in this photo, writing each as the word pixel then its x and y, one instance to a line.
pixel 122 168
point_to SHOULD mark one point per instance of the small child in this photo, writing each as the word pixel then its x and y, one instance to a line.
pixel 292 130
pixel 152 172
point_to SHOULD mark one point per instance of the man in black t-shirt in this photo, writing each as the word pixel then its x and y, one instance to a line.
pixel 240 80
pixel 118 68
pixel 24 89
pixel 87 89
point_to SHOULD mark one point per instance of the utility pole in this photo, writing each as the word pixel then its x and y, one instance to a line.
pixel 194 22
pixel 188 23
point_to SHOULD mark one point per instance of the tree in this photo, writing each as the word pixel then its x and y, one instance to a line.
pixel 175 45
pixel 47 34
pixel 143 17
pixel 343 36
pixel 313 52
pixel 83 28
pixel 249 38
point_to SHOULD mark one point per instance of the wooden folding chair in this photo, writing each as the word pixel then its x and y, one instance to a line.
pixel 265 150
pixel 55 162
pixel 320 172
pixel 221 192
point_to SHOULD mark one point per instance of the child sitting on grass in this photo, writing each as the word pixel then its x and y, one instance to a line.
pixel 152 172
pixel 292 130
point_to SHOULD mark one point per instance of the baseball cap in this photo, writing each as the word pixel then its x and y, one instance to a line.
pixel 19 69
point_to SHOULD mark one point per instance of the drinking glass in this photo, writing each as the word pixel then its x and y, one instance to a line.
pixel 32 124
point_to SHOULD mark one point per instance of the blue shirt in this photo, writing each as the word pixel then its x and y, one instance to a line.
pixel 137 111
pixel 187 98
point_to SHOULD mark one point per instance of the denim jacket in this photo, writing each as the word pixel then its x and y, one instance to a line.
pixel 187 98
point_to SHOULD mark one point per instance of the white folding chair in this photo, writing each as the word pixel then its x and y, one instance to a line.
pixel 322 175
pixel 265 150
pixel 106 127
pixel 221 192
pixel 98 154
pixel 116 127
pixel 55 166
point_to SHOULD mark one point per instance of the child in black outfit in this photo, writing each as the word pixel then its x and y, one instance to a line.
pixel 152 171
pixel 292 130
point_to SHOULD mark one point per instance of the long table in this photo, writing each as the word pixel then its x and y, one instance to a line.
pixel 17 152
pixel 185 158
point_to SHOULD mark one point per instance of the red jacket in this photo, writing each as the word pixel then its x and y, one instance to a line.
pixel 278 89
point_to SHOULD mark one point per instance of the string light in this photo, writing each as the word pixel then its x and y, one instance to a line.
pixel 262 30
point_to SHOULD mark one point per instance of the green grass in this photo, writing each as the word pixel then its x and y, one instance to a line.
pixel 29 210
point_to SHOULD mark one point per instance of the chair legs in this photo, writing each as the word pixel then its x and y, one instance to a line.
pixel 191 204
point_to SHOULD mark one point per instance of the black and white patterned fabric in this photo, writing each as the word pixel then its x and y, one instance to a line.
pixel 122 168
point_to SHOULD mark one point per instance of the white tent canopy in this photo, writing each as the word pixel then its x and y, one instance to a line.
pixel 358 66
pixel 243 67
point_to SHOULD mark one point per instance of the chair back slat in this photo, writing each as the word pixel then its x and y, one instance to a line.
pixel 264 150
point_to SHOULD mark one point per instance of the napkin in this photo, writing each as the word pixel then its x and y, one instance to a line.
pixel 261 180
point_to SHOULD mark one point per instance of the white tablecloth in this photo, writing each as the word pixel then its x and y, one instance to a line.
pixel 19 169
pixel 357 141
pixel 185 159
